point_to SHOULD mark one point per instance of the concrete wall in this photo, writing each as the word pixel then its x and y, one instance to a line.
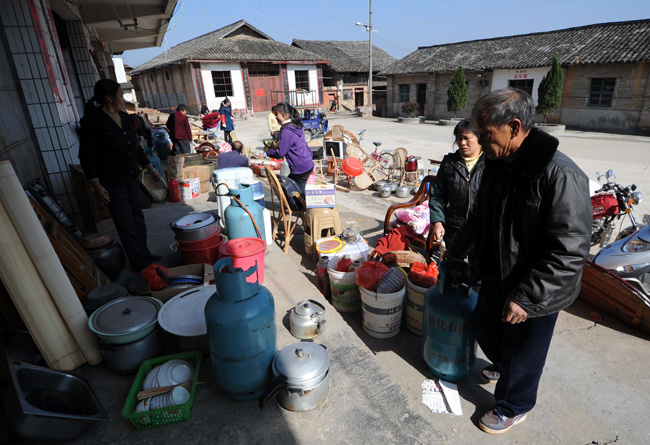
pixel 501 77
pixel 307 98
pixel 238 99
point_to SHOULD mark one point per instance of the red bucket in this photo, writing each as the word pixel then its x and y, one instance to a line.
pixel 204 251
pixel 245 253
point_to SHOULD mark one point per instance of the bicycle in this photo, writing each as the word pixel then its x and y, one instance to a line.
pixel 385 157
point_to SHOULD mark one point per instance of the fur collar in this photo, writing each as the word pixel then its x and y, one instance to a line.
pixel 535 153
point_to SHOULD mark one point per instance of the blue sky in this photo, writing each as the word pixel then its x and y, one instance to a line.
pixel 400 25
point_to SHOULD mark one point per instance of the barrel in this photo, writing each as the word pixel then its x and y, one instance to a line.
pixel 344 288
pixel 381 313
pixel 414 307
pixel 204 251
pixel 202 170
pixel 245 254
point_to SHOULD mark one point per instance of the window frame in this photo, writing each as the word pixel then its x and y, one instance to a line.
pixel 300 84
pixel 526 89
pixel 225 87
pixel 601 93
pixel 403 94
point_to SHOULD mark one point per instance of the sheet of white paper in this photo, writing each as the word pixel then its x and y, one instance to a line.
pixel 433 397
pixel 451 394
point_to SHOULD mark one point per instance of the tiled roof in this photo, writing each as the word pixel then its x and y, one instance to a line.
pixel 617 42
pixel 347 56
pixel 238 42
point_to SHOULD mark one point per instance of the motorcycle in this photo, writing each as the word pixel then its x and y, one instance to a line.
pixel 611 204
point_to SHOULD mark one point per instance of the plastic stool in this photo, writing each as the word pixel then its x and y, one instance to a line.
pixel 320 223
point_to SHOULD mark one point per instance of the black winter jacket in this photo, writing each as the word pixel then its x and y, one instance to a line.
pixel 544 226
pixel 107 151
pixel 454 191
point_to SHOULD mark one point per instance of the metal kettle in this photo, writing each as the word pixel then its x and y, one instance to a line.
pixel 307 319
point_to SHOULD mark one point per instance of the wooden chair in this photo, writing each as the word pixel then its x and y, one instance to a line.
pixel 372 171
pixel 426 242
pixel 282 213
pixel 339 174
pixel 399 164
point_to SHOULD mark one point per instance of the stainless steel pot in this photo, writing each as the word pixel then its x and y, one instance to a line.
pixel 302 377
pixel 184 317
pixel 385 191
pixel 393 186
pixel 379 183
pixel 307 319
pixel 196 226
pixel 125 320
pixel 403 192
pixel 126 359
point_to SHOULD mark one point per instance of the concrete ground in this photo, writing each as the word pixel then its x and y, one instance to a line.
pixel 595 388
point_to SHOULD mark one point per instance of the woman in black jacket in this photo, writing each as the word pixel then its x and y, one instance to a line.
pixel 110 153
pixel 454 190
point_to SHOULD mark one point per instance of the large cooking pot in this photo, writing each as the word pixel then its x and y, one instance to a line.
pixel 385 191
pixel 196 226
pixel 125 320
pixel 403 191
pixel 126 359
pixel 302 377
pixel 184 317
pixel 379 183
pixel 307 319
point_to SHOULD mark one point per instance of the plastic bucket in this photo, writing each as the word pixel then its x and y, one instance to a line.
pixel 246 253
pixel 345 292
pixel 414 307
pixel 204 251
pixel 381 314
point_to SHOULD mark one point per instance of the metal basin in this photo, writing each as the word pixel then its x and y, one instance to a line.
pixel 44 404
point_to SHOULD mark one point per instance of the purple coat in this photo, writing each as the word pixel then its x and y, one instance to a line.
pixel 294 149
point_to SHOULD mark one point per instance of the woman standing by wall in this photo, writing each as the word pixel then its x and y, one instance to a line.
pixel 109 153
pixel 226 119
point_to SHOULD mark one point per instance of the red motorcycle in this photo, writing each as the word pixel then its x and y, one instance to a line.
pixel 611 203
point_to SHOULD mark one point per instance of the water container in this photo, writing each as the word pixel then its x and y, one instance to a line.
pixel 240 321
pixel 381 313
pixel 344 288
pixel 232 177
pixel 414 306
pixel 447 338
pixel 238 221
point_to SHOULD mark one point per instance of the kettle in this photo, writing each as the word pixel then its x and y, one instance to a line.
pixel 307 319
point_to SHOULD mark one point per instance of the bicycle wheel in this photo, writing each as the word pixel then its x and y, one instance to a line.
pixel 386 160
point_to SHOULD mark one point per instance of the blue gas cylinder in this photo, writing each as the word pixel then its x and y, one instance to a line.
pixel 448 344
pixel 238 221
pixel 240 320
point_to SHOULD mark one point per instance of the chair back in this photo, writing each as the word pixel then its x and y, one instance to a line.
pixel 399 157
pixel 276 188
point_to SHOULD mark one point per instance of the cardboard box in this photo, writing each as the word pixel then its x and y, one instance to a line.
pixel 190 188
pixel 320 196
pixel 204 270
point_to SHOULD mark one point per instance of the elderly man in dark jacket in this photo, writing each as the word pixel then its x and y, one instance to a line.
pixel 530 232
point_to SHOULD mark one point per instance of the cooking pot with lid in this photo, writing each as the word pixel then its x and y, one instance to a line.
pixel 302 377
pixel 385 191
pixel 403 191
pixel 307 319
pixel 125 320
pixel 196 226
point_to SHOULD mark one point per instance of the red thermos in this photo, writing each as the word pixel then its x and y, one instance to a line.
pixel 344 264
pixel 174 190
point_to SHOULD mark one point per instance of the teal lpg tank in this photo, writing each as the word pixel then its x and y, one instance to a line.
pixel 448 344
pixel 238 221
pixel 240 320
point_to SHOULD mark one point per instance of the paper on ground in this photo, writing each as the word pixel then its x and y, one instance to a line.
pixel 434 395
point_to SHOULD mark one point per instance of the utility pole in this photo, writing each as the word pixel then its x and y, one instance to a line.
pixel 370 59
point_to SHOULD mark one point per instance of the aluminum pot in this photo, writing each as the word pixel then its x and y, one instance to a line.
pixel 184 317
pixel 385 191
pixel 126 359
pixel 196 226
pixel 125 320
pixel 379 183
pixel 393 186
pixel 307 319
pixel 301 377
pixel 403 191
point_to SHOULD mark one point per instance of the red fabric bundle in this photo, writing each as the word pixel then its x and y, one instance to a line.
pixel 155 276
pixel 397 239
pixel 423 275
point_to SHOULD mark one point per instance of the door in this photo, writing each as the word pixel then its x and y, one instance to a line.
pixel 358 97
pixel 422 97
pixel 262 80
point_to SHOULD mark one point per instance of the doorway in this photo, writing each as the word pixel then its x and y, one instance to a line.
pixel 422 97
pixel 358 97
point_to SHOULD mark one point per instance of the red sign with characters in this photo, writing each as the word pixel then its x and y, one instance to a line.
pixel 260 92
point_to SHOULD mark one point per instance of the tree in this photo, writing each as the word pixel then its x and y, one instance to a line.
pixel 457 92
pixel 549 93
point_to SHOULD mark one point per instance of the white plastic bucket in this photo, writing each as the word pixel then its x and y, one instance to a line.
pixel 345 292
pixel 414 307
pixel 233 177
pixel 381 314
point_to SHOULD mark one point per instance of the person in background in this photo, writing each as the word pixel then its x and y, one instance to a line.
pixel 179 130
pixel 453 192
pixel 530 233
pixel 292 145
pixel 274 126
pixel 333 106
pixel 233 158
pixel 226 119
pixel 109 154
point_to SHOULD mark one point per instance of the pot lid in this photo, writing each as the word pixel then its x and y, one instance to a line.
pixel 304 364
pixel 184 314
pixel 125 315
pixel 242 247
pixel 307 308
pixel 194 221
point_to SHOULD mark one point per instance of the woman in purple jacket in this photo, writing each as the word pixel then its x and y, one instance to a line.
pixel 292 145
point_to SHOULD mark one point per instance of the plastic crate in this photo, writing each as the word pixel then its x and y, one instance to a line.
pixel 162 416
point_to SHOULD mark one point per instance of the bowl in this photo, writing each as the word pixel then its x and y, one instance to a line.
pixel 352 166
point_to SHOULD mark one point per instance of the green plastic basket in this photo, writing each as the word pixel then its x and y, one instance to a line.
pixel 162 416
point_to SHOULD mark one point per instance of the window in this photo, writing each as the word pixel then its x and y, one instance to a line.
pixel 167 75
pixel 601 92
pixel 302 79
pixel 151 77
pixel 222 83
pixel 404 93
pixel 525 85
